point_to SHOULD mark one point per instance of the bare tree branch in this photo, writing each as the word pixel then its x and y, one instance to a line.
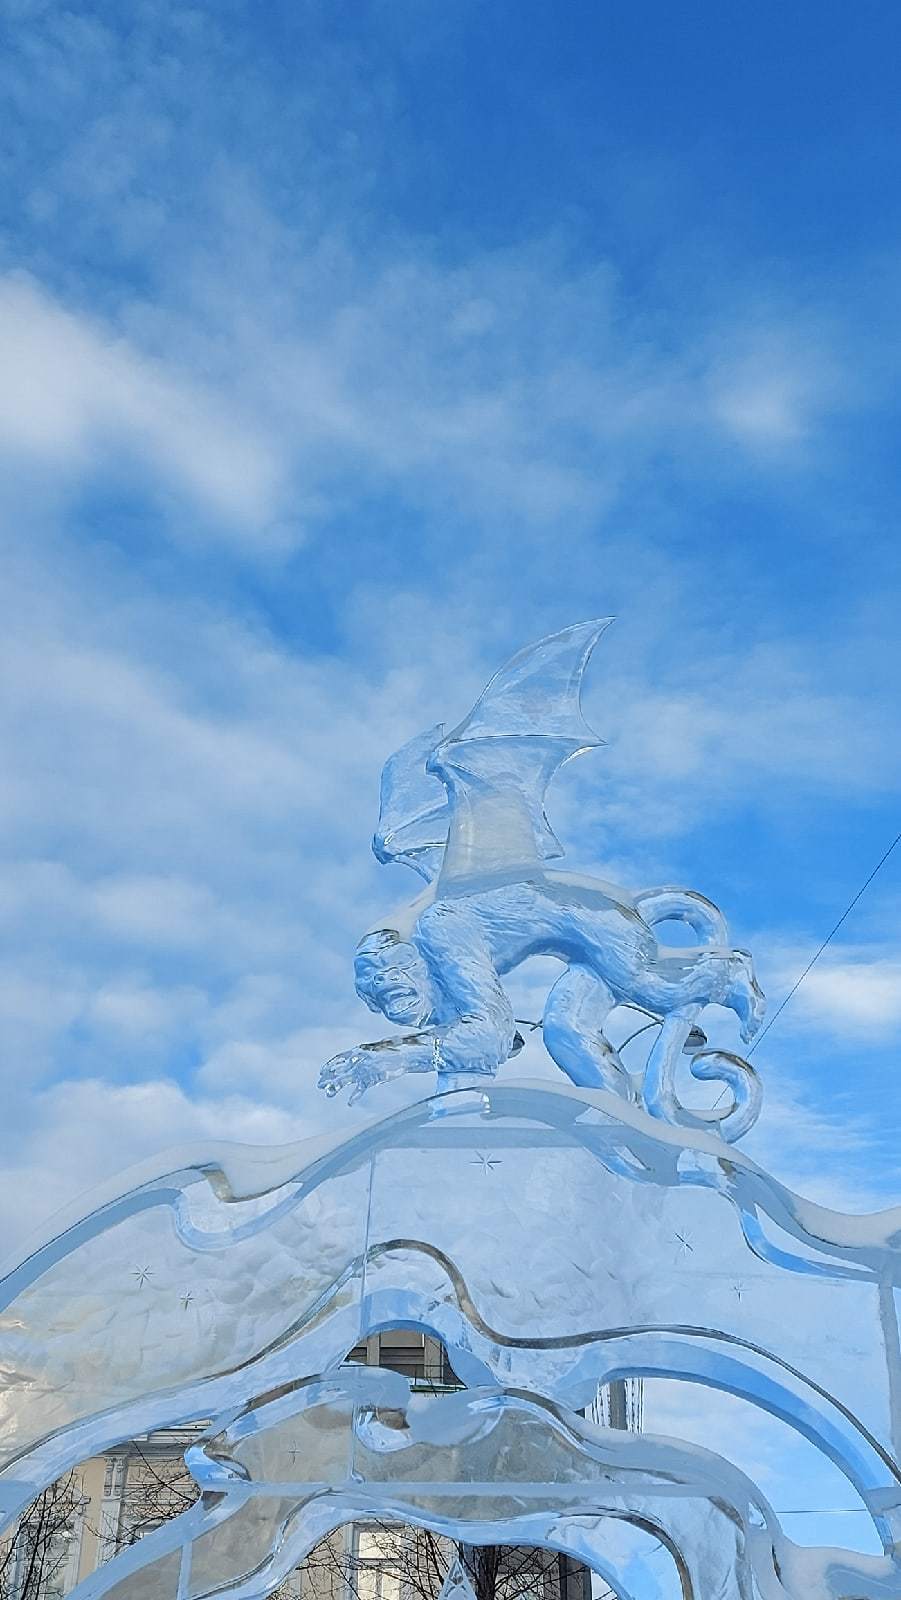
pixel 35 1559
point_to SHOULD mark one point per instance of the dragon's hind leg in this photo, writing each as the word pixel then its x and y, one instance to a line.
pixel 574 1016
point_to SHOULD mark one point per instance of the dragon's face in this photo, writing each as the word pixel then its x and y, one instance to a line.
pixel 395 981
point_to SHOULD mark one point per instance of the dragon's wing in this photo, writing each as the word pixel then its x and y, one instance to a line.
pixel 494 767
pixel 414 813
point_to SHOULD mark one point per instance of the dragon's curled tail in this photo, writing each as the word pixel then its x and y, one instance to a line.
pixel 714 1065
pixel 684 905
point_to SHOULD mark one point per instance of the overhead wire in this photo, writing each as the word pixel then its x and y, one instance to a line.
pixel 828 939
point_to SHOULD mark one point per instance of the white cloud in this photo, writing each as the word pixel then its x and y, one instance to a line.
pixel 191 800
pixel 73 394
pixel 821 1149
pixel 409 374
pixel 36 1007
pixel 774 385
pixel 85 1131
pixel 135 1009
pixel 766 409
pixel 522 383
pixel 155 908
pixel 852 995
pixel 433 380
pixel 686 743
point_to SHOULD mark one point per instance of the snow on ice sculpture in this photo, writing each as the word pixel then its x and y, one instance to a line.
pixel 554 1236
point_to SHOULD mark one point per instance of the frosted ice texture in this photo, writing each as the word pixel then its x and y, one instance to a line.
pixel 456 1585
pixel 554 1237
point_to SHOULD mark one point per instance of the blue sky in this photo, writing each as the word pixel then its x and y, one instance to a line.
pixel 348 347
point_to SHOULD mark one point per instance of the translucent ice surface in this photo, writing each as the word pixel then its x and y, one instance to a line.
pixel 466 810
pixel 554 1237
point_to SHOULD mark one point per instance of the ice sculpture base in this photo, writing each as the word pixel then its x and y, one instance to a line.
pixel 553 1239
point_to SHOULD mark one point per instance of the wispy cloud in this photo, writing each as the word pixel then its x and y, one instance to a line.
pixel 419 379
pixel 288 470
pixel 775 374
pixel 74 395
pixel 84 1130
pixel 851 993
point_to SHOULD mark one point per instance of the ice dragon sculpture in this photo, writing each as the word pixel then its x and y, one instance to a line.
pixel 466 810
pixel 556 1237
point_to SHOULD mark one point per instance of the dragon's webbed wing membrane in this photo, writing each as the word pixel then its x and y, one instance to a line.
pixel 494 767
pixel 538 693
pixel 414 813
pixel 497 764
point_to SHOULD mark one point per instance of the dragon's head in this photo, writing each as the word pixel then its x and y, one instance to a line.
pixel 391 977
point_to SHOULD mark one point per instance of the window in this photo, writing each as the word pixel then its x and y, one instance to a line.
pixel 375 1574
pixel 419 1356
pixel 291 1589
pixel 113 1477
pixel 524 1585
pixel 56 1558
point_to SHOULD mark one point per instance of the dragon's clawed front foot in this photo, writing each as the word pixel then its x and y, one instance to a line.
pixel 357 1070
